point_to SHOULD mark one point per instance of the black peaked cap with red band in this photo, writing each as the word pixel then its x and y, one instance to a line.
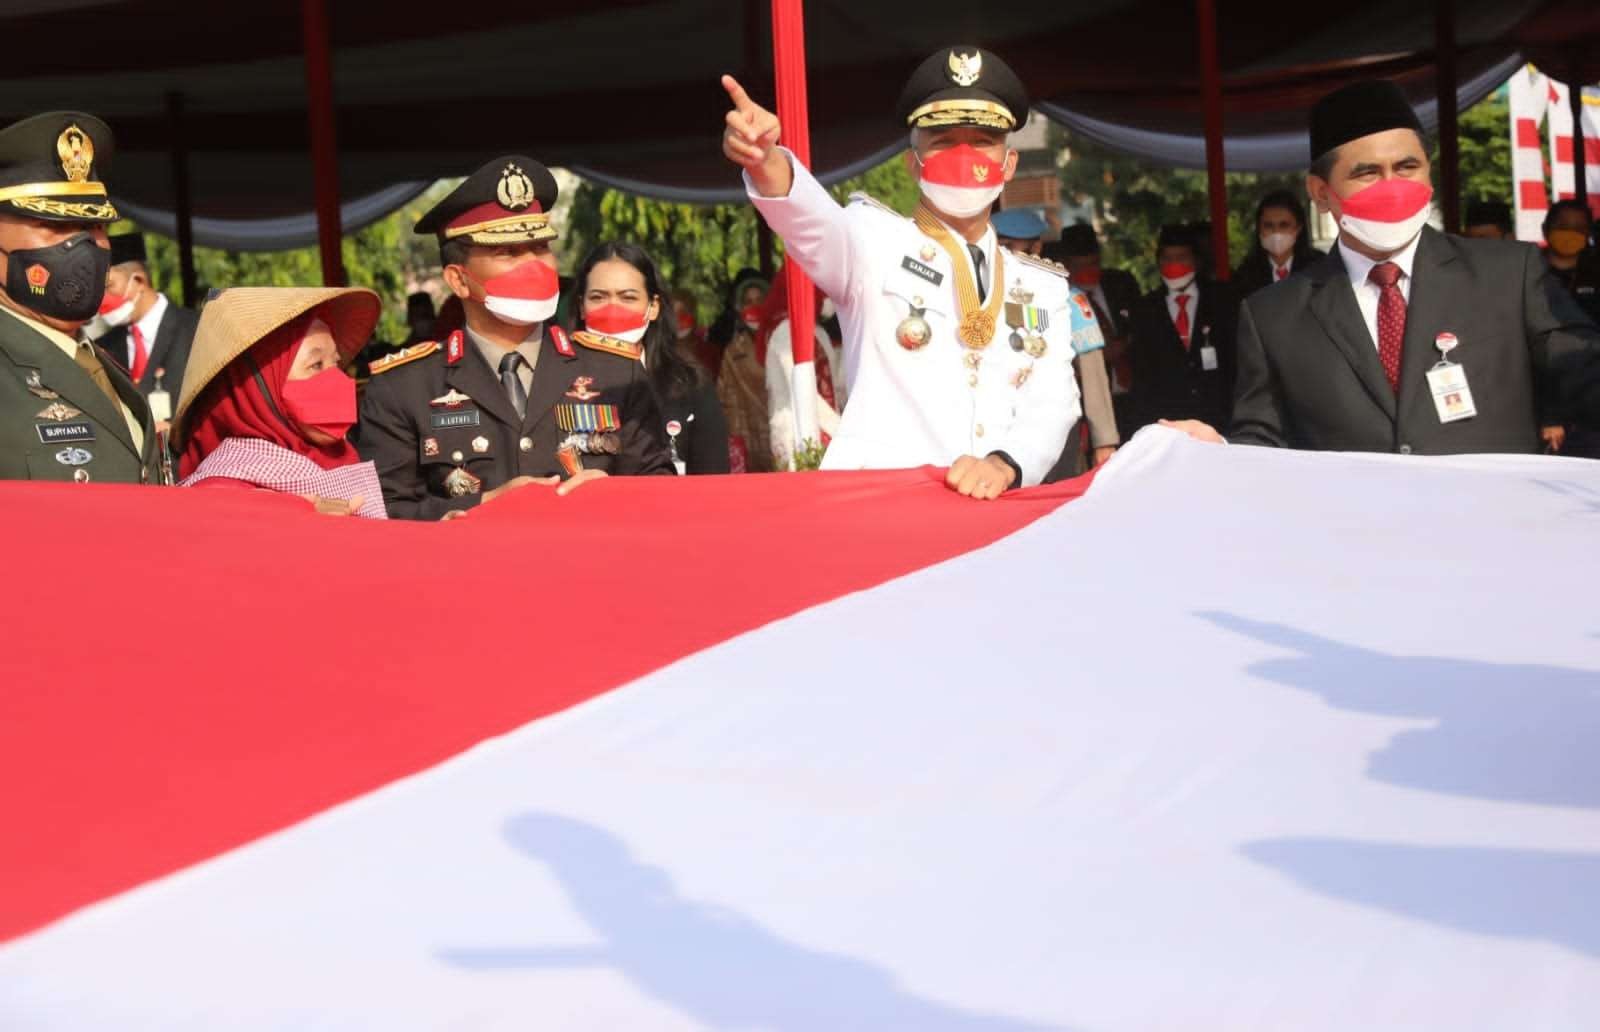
pixel 506 201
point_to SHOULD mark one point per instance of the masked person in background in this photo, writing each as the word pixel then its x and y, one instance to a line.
pixel 511 399
pixel 618 291
pixel 742 380
pixel 67 410
pixel 1282 247
pixel 142 329
pixel 1183 332
pixel 266 403
pixel 957 352
pixel 1572 259
pixel 1402 339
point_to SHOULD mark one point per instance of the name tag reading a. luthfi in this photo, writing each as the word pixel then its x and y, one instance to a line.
pixel 922 271
pixel 446 420
pixel 56 433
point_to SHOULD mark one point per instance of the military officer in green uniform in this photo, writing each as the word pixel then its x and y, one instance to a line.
pixel 511 399
pixel 67 411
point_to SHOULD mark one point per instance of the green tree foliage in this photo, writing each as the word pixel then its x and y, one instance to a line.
pixel 1485 140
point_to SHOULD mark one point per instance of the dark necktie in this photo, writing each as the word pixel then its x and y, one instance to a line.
pixel 977 270
pixel 1391 319
pixel 510 363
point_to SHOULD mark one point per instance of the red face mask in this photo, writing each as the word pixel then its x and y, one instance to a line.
pixel 526 295
pixel 1089 277
pixel 685 323
pixel 325 402
pixel 617 321
pixel 1177 270
pixel 962 180
pixel 752 317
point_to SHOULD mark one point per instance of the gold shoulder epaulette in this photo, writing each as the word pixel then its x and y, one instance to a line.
pixel 860 198
pixel 611 345
pixel 1039 263
pixel 404 355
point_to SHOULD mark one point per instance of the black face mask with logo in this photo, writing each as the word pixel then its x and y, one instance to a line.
pixel 64 281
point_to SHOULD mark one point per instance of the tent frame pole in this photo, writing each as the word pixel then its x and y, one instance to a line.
pixel 182 199
pixel 1216 163
pixel 1580 164
pixel 789 67
pixel 1444 47
pixel 324 144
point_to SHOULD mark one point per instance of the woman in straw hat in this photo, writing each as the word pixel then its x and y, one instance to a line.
pixel 265 403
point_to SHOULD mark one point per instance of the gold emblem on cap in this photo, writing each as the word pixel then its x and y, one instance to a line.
pixel 965 68
pixel 515 191
pixel 76 151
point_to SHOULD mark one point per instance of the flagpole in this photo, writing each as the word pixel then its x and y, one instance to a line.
pixel 789 66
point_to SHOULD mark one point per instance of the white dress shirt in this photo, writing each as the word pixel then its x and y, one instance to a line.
pixel 1367 294
pixel 1192 292
pixel 148 327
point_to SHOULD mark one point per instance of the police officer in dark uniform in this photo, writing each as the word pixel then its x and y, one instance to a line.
pixel 67 411
pixel 511 399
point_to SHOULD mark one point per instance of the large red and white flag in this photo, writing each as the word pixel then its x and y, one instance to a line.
pixel 1240 738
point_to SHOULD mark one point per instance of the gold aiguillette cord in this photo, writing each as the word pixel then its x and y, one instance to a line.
pixel 977 319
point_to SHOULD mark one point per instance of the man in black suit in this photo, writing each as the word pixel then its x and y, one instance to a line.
pixel 1402 339
pixel 150 337
pixel 1183 339
pixel 1113 294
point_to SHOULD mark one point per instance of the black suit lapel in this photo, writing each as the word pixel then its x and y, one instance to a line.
pixel 551 379
pixel 1433 272
pixel 473 377
pixel 165 333
pixel 1333 302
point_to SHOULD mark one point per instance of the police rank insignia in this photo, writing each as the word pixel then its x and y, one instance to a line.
pixel 515 191
pixel 965 68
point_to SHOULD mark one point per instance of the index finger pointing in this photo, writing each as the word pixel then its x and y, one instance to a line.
pixel 736 93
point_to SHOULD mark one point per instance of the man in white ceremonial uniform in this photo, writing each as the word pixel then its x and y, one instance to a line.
pixel 956 351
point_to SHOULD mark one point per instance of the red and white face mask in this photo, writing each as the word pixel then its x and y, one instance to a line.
pixel 1177 275
pixel 526 295
pixel 961 181
pixel 116 309
pixel 1387 215
pixel 618 321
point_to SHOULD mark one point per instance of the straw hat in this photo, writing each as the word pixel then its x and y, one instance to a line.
pixel 236 318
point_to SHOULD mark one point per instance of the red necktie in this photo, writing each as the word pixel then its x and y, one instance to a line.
pixel 1391 319
pixel 1182 321
pixel 1283 270
pixel 141 355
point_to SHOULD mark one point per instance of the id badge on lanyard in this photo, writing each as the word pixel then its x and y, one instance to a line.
pixel 1447 381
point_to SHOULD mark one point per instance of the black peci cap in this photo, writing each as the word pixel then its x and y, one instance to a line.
pixel 127 247
pixel 506 201
pixel 1357 110
pixel 1079 239
pixel 964 85
pixel 50 166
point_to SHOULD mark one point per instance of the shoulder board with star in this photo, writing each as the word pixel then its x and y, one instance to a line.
pixel 1054 268
pixel 610 345
pixel 404 355
pixel 872 202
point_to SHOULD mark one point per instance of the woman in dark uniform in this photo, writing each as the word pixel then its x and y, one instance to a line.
pixel 621 295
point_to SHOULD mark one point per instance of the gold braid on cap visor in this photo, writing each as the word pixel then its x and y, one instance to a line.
pixel 45 199
pixel 506 231
pixel 986 113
